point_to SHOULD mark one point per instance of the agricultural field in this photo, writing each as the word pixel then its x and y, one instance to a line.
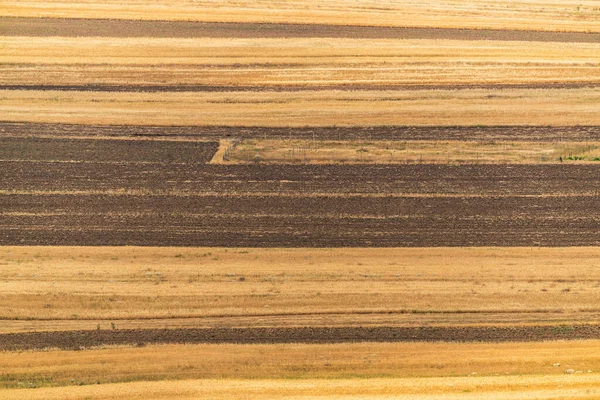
pixel 408 152
pixel 312 199
pixel 223 322
pixel 165 192
pixel 543 15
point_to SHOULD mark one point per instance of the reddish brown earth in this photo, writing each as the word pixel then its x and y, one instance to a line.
pixel 74 27
pixel 85 339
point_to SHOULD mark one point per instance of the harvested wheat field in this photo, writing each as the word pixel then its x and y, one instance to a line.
pixel 313 199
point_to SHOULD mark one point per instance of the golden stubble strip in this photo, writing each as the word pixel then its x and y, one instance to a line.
pixel 295 286
pixel 320 108
pixel 551 15
pixel 316 62
pixel 365 370
pixel 281 151
pixel 64 50
pixel 265 63
pixel 420 368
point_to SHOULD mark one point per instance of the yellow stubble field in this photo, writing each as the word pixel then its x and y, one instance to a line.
pixel 320 108
pixel 551 15
pixel 62 288
pixel 319 67
pixel 292 62
pixel 382 152
pixel 417 369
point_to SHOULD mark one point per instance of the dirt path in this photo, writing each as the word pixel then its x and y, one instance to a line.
pixel 224 146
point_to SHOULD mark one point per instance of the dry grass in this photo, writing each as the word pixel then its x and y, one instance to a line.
pixel 552 15
pixel 298 361
pixel 365 151
pixel 76 288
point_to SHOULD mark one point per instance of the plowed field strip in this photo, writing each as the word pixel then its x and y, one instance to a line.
pixel 404 133
pixel 491 205
pixel 74 27
pixel 320 180
pixel 299 222
pixel 295 88
pixel 35 149
pixel 83 339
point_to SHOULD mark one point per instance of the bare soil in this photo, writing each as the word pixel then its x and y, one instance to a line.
pixel 404 133
pixel 161 193
pixel 75 27
pixel 192 204
pixel 106 150
pixel 85 339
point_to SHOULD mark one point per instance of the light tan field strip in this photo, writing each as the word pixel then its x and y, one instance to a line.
pixel 501 82
pixel 547 15
pixel 366 360
pixel 331 360
pixel 294 62
pixel 538 388
pixel 293 88
pixel 74 27
pixel 466 107
pixel 287 287
pixel 409 152
pixel 494 388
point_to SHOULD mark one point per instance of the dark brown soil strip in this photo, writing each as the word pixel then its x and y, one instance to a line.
pixel 292 88
pixel 276 184
pixel 292 205
pixel 404 133
pixel 71 340
pixel 106 150
pixel 182 29
pixel 126 197
pixel 258 221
